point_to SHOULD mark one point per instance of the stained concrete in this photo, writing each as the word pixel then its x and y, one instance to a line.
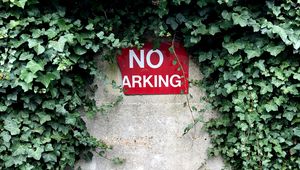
pixel 147 130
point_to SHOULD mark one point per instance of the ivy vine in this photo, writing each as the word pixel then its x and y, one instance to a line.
pixel 247 51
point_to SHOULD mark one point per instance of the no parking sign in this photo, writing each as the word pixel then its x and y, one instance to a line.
pixel 154 71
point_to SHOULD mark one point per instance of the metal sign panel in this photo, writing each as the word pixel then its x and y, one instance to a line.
pixel 154 71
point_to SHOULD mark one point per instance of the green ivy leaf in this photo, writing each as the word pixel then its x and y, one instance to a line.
pixel 39 49
pixel 25 86
pixel 296 131
pixel 49 104
pixel 244 126
pixel 61 109
pixel 172 22
pixel 230 88
pixel 37 153
pixel 3 108
pixel 71 120
pixel 265 87
pixel 271 107
pixel 21 150
pixel 43 117
pixel 58 45
pixel 32 43
pixel 90 27
pixel 180 18
pixel 19 3
pixel 274 50
pixel 79 50
pixel 251 53
pixel 260 64
pixel 289 115
pixel 34 66
pixel 5 136
pixel 27 77
pixel 46 79
pixel 12 126
pixel 49 157
pixel 297 147
pixel 100 35
pixel 296 76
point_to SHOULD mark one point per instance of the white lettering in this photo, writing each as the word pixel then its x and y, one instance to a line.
pixel 152 81
pixel 140 61
pixel 160 55
pixel 165 81
pixel 136 80
pixel 178 82
pixel 126 82
pixel 155 80
pixel 146 80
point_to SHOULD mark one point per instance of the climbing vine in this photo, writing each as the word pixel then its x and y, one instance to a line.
pixel 247 51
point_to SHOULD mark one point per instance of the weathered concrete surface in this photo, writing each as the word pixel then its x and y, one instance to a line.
pixel 147 130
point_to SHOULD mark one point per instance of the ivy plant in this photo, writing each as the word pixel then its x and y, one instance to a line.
pixel 247 51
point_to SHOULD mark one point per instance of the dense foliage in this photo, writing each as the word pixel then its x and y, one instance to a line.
pixel 247 50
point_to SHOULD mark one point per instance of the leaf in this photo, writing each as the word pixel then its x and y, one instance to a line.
pixel 50 157
pixel 39 49
pixel 244 126
pixel 51 33
pixel 100 35
pixel 5 136
pixel 289 115
pixel 230 88
pixel 89 27
pixel 32 43
pixel 12 126
pixel 71 120
pixel 3 108
pixel 36 154
pixel 271 107
pixel 213 29
pixel 27 77
pixel 260 64
pixel 118 161
pixel 251 53
pixel 205 56
pixel 46 79
pixel 12 96
pixel 180 18
pixel 12 24
pixel 174 62
pixel 274 50
pixel 232 47
pixel 238 74
pixel 58 45
pixel 241 20
pixel 25 56
pixel 296 76
pixel 265 87
pixel 19 3
pixel 21 150
pixel 276 82
pixel 43 117
pixel 79 50
pixel 296 131
pixel 172 22
pixel 297 147
pixel 282 33
pixel 61 109
pixel 34 66
pixel 49 104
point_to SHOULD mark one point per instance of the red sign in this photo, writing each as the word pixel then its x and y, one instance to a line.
pixel 154 71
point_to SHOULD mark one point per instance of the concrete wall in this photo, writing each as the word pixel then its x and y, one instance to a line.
pixel 147 130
